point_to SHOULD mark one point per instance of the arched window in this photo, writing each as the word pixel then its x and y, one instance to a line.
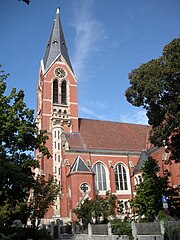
pixel 135 180
pixel 100 177
pixel 55 91
pixel 120 177
pixel 63 93
pixel 140 178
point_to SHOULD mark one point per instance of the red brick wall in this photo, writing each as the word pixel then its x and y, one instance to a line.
pixel 75 179
pixel 173 168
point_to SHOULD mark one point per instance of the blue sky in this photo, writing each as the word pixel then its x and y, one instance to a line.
pixel 105 39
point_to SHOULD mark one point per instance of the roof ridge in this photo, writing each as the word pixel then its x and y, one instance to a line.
pixel 110 121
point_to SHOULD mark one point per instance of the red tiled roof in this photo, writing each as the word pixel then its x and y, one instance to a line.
pixel 106 135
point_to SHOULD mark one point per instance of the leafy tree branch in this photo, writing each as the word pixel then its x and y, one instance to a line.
pixel 155 86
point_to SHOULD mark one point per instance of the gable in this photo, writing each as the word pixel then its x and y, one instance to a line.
pixel 80 166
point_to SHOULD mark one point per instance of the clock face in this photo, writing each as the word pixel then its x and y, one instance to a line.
pixel 59 72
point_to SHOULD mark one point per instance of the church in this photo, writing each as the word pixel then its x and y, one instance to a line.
pixel 89 157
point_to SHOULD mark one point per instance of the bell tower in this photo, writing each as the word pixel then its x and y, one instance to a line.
pixel 57 105
pixel 57 85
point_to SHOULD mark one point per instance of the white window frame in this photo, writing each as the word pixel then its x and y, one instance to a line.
pixel 102 192
pixel 123 191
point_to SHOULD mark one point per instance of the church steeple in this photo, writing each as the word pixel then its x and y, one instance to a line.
pixel 56 46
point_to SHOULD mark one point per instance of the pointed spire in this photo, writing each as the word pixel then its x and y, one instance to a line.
pixel 56 45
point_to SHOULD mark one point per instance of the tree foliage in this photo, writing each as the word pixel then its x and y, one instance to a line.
pixel 122 227
pixel 148 200
pixel 18 139
pixel 84 212
pixel 44 193
pixel 17 233
pixel 105 207
pixel 95 209
pixel 155 86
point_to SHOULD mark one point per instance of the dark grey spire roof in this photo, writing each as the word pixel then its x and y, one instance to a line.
pixel 56 44
pixel 80 166
pixel 142 159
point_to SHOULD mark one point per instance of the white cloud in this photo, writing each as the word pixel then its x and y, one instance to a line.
pixel 92 109
pixel 95 104
pixel 136 116
pixel 86 112
pixel 98 110
pixel 88 32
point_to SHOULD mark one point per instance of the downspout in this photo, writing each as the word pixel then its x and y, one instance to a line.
pixel 130 178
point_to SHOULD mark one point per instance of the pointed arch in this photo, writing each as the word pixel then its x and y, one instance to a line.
pixel 64 92
pixel 121 177
pixel 55 91
pixel 100 177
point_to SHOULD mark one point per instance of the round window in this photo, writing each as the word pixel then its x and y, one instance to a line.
pixel 84 187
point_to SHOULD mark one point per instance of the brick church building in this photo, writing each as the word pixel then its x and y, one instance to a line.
pixel 89 157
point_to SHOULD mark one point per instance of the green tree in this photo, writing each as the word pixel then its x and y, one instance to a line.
pixel 122 227
pixel 155 86
pixel 44 193
pixel 104 207
pixel 148 200
pixel 120 206
pixel 111 200
pixel 18 139
pixel 84 212
pixel 101 207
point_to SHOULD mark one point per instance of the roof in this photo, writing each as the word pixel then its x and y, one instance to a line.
pixel 106 135
pixel 56 45
pixel 142 159
pixel 80 166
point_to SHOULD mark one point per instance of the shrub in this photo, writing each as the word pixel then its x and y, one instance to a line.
pixel 23 233
pixel 120 227
pixel 171 234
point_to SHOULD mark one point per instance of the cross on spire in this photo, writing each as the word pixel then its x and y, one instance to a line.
pixel 58 6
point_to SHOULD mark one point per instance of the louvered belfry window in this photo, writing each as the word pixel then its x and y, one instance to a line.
pixel 63 92
pixel 55 91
